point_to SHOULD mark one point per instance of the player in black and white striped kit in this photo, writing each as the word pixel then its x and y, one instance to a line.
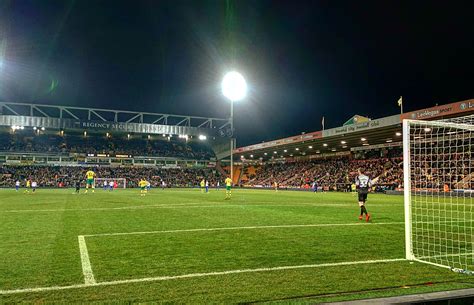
pixel 363 183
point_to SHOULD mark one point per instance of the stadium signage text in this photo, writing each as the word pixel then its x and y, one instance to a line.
pixel 440 111
pixel 356 127
pixel 431 113
pixel 106 125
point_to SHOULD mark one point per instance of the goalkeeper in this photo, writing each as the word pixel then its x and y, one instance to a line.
pixel 363 183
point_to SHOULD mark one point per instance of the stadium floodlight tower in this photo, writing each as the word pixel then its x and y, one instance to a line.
pixel 234 88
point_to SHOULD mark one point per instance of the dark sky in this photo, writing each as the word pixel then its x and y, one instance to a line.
pixel 302 59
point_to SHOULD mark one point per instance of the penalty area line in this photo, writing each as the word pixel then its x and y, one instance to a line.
pixel 85 261
pixel 246 228
pixel 196 275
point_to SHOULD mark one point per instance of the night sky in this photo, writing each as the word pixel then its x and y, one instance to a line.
pixel 302 59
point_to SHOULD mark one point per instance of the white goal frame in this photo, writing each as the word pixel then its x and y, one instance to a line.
pixel 430 237
pixel 99 182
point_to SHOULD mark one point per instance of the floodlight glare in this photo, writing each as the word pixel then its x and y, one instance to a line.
pixel 202 137
pixel 234 86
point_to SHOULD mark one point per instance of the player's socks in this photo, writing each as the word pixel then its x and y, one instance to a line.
pixel 367 217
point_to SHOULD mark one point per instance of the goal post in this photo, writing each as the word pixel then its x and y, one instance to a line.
pixel 121 182
pixel 439 192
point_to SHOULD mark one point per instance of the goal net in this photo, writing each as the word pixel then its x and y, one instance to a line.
pixel 121 182
pixel 439 191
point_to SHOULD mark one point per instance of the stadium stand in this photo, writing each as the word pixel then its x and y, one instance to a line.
pixel 330 174
pixel 330 157
pixel 28 141
pixel 66 176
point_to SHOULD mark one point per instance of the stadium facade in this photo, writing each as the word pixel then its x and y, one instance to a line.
pixel 360 136
pixel 95 122
pixel 354 136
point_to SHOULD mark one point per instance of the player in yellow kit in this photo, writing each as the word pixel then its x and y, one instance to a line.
pixel 202 184
pixel 28 185
pixel 143 184
pixel 90 175
pixel 228 188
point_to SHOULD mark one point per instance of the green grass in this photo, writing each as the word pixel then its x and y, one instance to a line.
pixel 39 247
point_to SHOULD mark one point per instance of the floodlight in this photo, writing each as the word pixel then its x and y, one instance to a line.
pixel 234 86
pixel 202 137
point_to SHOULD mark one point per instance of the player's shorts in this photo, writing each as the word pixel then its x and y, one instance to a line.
pixel 228 187
pixel 142 188
pixel 362 197
pixel 90 181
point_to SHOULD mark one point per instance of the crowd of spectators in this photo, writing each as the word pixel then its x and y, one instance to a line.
pixel 330 174
pixel 156 146
pixel 67 176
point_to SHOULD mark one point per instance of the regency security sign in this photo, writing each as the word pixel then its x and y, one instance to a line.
pixel 140 128
pixel 65 124
pixel 104 125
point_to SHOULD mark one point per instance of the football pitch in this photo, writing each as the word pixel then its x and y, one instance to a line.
pixel 183 246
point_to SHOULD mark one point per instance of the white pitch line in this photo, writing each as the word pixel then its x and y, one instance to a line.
pixel 179 206
pixel 195 275
pixel 245 228
pixel 85 262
